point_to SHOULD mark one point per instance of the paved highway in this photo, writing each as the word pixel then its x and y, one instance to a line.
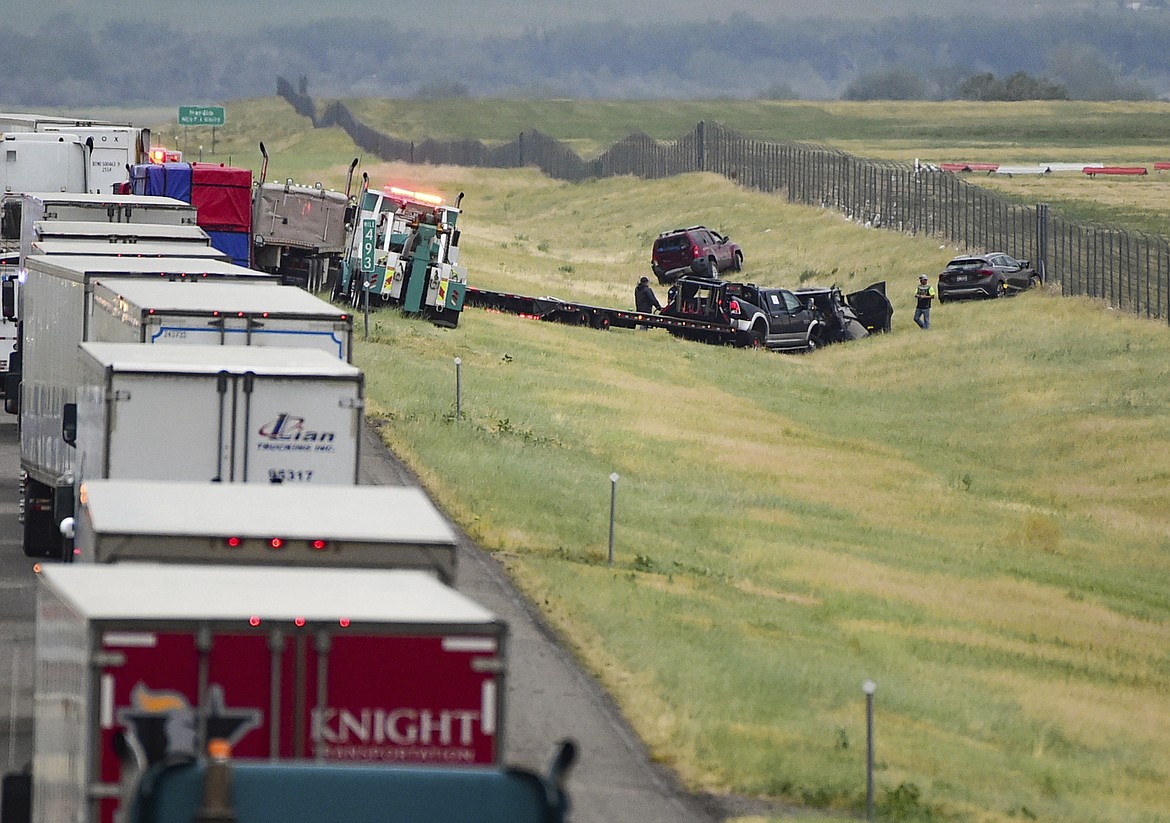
pixel 549 696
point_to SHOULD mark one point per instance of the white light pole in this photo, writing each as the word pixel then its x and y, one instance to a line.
pixel 458 388
pixel 613 479
pixel 869 687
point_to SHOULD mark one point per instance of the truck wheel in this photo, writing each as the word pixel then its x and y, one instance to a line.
pixel 753 339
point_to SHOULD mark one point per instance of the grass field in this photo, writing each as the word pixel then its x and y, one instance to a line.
pixel 974 517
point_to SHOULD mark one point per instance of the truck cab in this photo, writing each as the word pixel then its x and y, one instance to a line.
pixel 744 314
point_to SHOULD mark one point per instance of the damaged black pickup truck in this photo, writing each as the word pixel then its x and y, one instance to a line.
pixel 748 315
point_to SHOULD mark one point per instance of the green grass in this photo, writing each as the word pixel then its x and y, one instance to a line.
pixel 975 517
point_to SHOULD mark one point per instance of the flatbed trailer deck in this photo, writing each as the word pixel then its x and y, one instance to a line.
pixel 555 310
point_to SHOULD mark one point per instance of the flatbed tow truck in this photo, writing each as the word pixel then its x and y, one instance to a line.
pixel 710 326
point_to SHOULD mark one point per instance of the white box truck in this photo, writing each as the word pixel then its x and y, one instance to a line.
pixel 22 209
pixel 217 414
pixel 255 525
pixel 224 313
pixel 43 162
pixel 101 238
pixel 53 320
pixel 80 239
pixel 140 662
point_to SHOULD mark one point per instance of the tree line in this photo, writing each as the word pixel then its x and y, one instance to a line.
pixel 1089 56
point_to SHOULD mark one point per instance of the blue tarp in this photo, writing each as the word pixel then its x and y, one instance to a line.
pixel 237 244
pixel 162 180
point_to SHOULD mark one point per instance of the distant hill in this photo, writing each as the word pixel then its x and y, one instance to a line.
pixel 495 16
pixel 64 53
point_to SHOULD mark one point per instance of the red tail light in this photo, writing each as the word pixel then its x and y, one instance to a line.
pixel 733 306
pixel 985 272
pixel 694 252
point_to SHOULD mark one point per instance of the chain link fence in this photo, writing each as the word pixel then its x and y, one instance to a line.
pixel 1128 269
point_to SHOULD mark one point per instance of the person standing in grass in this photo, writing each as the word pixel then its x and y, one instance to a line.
pixel 924 295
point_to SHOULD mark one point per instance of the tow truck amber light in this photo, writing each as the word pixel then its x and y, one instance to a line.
pixel 232 542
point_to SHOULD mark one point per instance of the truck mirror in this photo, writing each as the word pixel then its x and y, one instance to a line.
pixel 69 423
pixel 9 299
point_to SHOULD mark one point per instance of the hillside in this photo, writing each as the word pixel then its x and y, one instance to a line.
pixel 975 518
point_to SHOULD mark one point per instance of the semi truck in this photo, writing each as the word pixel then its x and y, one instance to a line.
pixel 403 250
pixel 223 313
pixel 220 414
pixel 299 231
pixel 112 146
pixel 85 239
pixel 249 792
pixel 138 664
pixel 23 212
pixel 54 301
pixel 282 524
pixel 44 162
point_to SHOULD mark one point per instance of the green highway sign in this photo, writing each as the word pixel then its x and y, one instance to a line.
pixel 200 115
pixel 368 239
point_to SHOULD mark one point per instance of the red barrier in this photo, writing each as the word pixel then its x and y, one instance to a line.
pixel 1162 165
pixel 1093 171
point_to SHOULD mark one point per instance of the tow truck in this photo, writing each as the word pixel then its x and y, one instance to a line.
pixel 699 308
pixel 403 249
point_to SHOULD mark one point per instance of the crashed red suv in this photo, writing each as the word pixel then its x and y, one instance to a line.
pixel 696 250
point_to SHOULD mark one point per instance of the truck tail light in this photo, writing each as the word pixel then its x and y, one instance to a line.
pixel 319 545
pixel 733 307
pixel 276 542
pixel 232 542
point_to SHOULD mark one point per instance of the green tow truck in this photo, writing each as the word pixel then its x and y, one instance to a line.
pixel 403 250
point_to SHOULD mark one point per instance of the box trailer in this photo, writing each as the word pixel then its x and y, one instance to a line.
pixel 44 162
pixel 232 314
pixel 138 663
pixel 217 414
pixel 53 321
pixel 20 211
pixel 282 524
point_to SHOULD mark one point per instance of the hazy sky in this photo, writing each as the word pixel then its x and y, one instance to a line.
pixel 491 16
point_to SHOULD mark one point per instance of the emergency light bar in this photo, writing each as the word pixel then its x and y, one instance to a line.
pixel 414 195
pixel 159 154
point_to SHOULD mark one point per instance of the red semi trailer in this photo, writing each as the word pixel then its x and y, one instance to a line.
pixel 139 663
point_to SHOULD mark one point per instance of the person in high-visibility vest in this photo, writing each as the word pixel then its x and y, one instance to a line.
pixel 924 295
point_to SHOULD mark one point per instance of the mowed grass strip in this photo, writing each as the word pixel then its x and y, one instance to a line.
pixel 974 517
